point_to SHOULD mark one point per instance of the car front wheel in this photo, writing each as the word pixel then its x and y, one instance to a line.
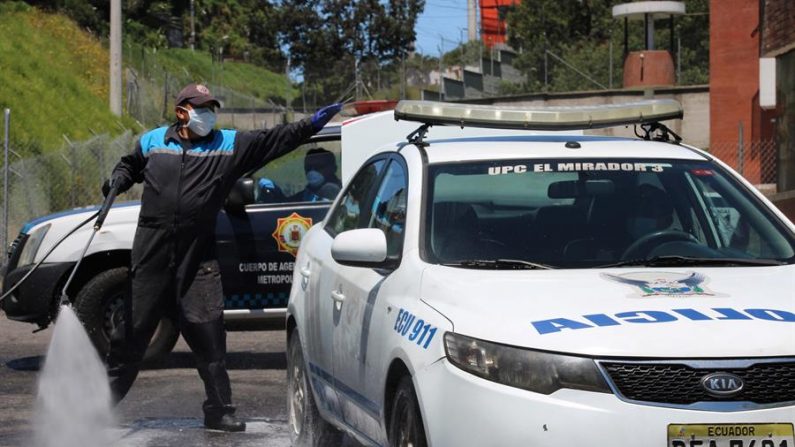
pixel 100 307
pixel 307 427
pixel 405 421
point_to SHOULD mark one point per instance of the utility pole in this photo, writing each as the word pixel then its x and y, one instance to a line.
pixel 472 17
pixel 115 57
pixel 441 72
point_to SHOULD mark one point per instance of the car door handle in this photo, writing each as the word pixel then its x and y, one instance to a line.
pixel 305 272
pixel 337 296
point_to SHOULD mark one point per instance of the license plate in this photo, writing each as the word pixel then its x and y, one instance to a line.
pixel 731 435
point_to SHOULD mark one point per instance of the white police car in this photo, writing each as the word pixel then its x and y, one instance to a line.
pixel 548 290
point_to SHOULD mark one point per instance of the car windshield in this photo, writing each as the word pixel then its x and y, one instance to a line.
pixel 587 213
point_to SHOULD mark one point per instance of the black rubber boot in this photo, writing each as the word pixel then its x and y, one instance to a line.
pixel 224 421
pixel 208 343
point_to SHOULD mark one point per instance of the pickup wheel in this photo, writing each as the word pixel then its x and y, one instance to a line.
pixel 307 427
pixel 100 307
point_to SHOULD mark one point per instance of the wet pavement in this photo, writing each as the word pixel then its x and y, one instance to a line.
pixel 164 406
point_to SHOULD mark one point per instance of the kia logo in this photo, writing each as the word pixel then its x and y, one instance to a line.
pixel 722 384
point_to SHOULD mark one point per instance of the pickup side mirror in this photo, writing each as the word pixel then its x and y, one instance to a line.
pixel 241 195
pixel 365 247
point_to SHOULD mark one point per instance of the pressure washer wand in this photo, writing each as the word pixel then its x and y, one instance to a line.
pixel 103 213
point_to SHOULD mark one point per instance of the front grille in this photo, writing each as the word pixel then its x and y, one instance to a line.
pixel 671 383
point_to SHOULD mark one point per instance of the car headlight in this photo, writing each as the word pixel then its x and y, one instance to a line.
pixel 536 371
pixel 32 245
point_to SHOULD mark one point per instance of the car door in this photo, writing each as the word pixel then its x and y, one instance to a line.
pixel 256 248
pixel 361 313
pixel 318 267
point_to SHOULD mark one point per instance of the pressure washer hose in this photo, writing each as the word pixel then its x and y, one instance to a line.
pixel 103 213
pixel 18 283
pixel 100 216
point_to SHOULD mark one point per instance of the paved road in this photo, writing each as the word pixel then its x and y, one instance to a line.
pixel 164 406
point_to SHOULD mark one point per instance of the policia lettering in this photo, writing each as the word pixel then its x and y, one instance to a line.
pixel 186 179
pixel 658 316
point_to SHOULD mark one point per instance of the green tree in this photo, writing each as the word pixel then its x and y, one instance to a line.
pixel 329 40
pixel 467 54
pixel 580 32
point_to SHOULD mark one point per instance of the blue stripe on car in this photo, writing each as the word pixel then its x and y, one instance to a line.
pixel 362 402
pixel 89 209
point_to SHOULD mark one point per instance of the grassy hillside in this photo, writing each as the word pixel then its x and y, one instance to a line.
pixel 54 78
pixel 197 66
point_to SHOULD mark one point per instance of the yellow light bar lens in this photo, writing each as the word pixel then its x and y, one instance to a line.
pixel 541 118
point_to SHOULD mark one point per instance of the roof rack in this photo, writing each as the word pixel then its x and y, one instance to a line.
pixel 538 118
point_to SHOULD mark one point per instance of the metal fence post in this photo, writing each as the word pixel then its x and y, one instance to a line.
pixel 546 70
pixel 610 67
pixel 4 236
pixel 678 60
pixel 740 149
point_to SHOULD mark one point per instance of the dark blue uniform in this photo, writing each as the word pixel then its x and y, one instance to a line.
pixel 185 185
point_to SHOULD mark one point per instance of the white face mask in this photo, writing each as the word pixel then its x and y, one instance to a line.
pixel 201 121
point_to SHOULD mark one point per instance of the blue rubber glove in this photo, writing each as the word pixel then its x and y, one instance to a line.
pixel 266 183
pixel 324 115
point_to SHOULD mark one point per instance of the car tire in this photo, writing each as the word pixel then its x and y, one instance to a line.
pixel 99 307
pixel 307 427
pixel 405 420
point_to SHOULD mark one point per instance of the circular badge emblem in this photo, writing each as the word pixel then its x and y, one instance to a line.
pixel 290 231
pixel 721 384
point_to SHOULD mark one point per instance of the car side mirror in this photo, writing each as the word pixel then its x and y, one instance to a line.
pixel 364 247
pixel 241 195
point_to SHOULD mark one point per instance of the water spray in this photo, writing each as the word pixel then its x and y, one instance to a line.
pixel 74 404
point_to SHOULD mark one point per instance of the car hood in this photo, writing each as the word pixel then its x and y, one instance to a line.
pixel 632 312
pixel 74 214
pixel 116 233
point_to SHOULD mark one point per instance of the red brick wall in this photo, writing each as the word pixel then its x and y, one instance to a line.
pixel 733 69
pixel 779 26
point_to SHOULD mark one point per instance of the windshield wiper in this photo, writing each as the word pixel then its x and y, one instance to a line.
pixel 673 261
pixel 497 264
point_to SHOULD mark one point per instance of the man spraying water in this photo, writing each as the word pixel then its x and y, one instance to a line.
pixel 188 169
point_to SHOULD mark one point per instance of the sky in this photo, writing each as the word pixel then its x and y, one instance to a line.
pixel 442 22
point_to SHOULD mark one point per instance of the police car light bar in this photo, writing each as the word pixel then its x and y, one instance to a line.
pixel 540 118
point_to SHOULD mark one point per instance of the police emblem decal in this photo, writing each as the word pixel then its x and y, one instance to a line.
pixel 667 284
pixel 289 232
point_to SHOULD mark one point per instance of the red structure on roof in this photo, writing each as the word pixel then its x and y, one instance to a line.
pixel 492 20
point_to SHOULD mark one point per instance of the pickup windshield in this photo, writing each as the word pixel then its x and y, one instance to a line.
pixel 587 213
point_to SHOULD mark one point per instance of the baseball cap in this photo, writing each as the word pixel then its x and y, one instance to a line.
pixel 196 94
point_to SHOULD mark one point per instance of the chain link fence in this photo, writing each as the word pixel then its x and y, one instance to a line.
pixel 72 176
pixel 65 179
pixel 151 89
pixel 757 161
